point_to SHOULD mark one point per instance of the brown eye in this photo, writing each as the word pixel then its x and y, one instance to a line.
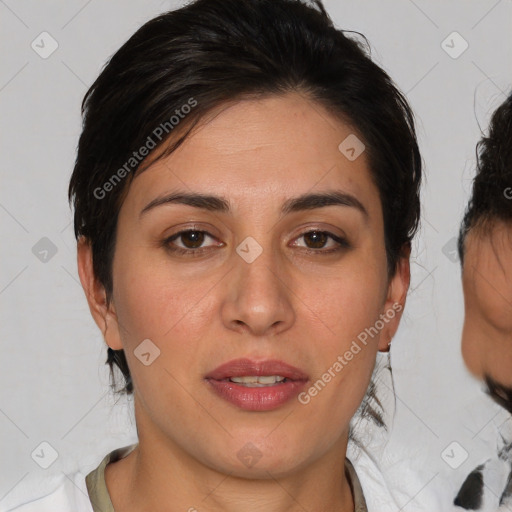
pixel 192 239
pixel 316 239
pixel 190 242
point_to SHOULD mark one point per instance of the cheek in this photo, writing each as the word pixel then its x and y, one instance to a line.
pixel 349 312
pixel 346 329
pixel 352 300
pixel 497 309
pixel 156 302
pixel 354 303
pixel 488 291
pixel 170 311
pixel 472 349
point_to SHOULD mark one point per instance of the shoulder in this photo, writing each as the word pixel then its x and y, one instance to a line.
pixel 373 485
pixel 69 493
pixel 392 491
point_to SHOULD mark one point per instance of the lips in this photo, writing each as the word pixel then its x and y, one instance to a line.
pixel 248 367
pixel 256 399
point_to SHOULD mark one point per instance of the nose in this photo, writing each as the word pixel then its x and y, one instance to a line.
pixel 258 298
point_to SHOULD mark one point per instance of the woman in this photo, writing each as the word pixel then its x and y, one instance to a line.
pixel 246 190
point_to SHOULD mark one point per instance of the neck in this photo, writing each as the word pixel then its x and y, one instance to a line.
pixel 158 473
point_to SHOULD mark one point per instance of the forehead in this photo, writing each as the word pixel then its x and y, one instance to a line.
pixel 489 248
pixel 262 147
pixel 487 273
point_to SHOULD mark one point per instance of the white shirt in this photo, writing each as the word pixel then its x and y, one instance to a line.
pixel 68 494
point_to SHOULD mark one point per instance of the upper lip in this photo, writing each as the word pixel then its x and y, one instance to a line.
pixel 248 367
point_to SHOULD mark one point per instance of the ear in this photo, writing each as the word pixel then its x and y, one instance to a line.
pixel 395 300
pixel 104 316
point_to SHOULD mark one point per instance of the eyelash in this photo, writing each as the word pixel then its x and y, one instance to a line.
pixel 342 243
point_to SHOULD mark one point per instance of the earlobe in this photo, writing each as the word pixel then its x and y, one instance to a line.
pixel 395 301
pixel 104 315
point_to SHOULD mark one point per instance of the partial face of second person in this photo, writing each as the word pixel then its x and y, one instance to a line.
pixel 487 283
pixel 303 300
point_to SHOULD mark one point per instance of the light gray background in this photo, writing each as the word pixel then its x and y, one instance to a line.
pixel 54 385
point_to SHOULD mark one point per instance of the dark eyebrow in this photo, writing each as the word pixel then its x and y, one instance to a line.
pixel 220 204
pixel 206 202
pixel 319 200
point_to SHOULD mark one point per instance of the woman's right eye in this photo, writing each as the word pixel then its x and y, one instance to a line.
pixel 191 242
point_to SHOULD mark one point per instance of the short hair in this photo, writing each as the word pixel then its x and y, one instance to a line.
pixel 184 63
pixel 491 195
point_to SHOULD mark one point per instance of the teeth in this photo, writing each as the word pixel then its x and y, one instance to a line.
pixel 258 381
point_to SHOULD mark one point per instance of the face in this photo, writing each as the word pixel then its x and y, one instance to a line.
pixel 252 272
pixel 487 283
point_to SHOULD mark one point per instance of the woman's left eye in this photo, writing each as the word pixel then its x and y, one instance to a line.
pixel 317 239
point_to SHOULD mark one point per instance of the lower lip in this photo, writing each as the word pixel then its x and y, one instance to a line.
pixel 257 399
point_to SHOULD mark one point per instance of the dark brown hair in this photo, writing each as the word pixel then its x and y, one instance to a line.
pixel 491 195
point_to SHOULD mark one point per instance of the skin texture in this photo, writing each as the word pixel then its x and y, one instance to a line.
pixel 299 307
pixel 487 283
